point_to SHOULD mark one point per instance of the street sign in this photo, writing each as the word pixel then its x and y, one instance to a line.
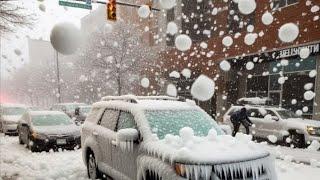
pixel 76 4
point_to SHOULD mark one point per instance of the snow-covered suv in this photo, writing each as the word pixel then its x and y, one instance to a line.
pixel 130 137
pixel 278 124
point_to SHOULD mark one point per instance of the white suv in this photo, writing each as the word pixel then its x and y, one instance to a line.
pixel 281 123
pixel 131 137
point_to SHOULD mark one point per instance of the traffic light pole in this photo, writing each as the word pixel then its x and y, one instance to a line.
pixel 122 4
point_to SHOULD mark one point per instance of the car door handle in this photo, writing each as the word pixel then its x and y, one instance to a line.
pixel 95 133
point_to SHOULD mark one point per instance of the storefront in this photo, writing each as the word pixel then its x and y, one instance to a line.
pixel 281 76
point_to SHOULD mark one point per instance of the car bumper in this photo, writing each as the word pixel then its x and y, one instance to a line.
pixel 10 128
pixel 52 143
pixel 312 138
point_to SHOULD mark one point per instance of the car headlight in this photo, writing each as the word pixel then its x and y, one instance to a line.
pixel 311 130
pixel 180 169
pixel 39 136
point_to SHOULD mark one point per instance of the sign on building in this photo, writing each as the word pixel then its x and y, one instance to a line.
pixel 84 4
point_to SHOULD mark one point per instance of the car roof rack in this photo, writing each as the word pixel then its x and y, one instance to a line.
pixel 135 99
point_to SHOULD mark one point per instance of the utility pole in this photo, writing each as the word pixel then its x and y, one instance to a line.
pixel 58 76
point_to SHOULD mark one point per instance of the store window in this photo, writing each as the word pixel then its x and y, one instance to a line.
pixel 284 3
pixel 170 17
pixel 257 86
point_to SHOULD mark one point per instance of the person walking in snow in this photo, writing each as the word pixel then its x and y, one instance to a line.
pixel 240 117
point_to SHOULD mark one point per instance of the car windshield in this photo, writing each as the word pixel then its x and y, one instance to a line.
pixel 51 120
pixel 13 110
pixel 165 122
pixel 286 114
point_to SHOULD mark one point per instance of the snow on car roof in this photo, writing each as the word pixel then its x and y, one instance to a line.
pixel 260 106
pixel 66 104
pixel 13 105
pixel 39 113
pixel 147 104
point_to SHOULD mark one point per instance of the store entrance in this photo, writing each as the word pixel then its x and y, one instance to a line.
pixel 294 88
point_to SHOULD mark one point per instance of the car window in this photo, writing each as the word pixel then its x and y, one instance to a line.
pixel 95 115
pixel 271 113
pixel 254 113
pixel 109 119
pixel 126 120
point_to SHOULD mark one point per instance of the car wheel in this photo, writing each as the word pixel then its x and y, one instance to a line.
pixel 32 147
pixel 20 140
pixel 297 139
pixel 92 168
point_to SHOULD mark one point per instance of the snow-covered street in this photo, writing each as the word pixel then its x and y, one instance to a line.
pixel 17 162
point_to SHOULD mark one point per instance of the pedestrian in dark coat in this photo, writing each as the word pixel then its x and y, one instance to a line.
pixel 240 117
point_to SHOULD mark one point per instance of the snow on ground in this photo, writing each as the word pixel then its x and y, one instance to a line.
pixel 17 162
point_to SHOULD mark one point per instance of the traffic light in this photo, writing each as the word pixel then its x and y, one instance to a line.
pixel 112 10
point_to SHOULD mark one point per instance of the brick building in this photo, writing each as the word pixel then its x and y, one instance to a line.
pixel 208 22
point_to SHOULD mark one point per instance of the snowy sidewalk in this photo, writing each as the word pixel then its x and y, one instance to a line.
pixel 295 154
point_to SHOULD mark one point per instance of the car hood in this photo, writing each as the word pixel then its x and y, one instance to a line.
pixel 58 130
pixel 304 122
pixel 13 118
pixel 205 150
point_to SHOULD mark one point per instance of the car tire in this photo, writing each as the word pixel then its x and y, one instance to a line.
pixel 92 168
pixel 32 148
pixel 20 140
pixel 297 139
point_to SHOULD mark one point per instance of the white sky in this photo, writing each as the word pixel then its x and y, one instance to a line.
pixel 40 30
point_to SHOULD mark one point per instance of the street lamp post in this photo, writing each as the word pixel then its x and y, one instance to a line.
pixel 58 76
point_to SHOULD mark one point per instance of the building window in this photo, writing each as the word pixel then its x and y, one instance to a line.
pixel 169 37
pixel 236 20
pixel 284 3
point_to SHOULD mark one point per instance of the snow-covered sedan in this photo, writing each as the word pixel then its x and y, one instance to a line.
pixel 44 130
pixel 279 124
pixel 9 117
pixel 143 138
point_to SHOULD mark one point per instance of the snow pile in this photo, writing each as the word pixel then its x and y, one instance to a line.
pixel 167 4
pixel 145 82
pixel 186 73
pixel 183 42
pixel 20 163
pixel 308 95
pixel 171 90
pixel 174 74
pixel 288 32
pixel 144 11
pixel 252 100
pixel 227 41
pixel 224 152
pixel 66 38
pixel 267 18
pixel 304 53
pixel 172 28
pixel 247 6
pixel 203 88
pixel 225 65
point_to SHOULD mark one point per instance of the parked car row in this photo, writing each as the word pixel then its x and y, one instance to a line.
pixel 285 125
pixel 41 129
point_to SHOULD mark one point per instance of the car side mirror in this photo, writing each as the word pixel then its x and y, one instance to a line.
pixel 127 135
pixel 275 118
